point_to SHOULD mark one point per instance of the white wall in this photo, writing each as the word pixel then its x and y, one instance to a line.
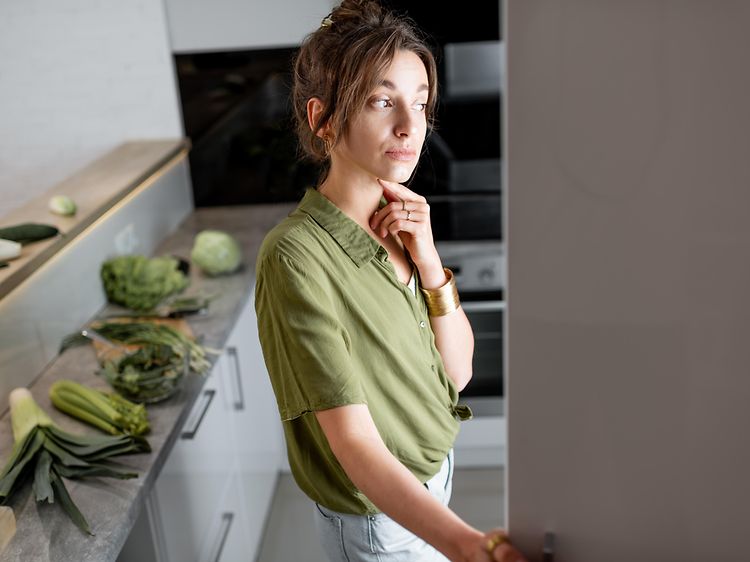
pixel 76 79
pixel 224 25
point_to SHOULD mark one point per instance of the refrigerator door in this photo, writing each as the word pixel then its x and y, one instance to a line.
pixel 628 313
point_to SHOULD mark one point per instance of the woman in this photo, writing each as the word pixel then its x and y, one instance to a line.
pixel 366 369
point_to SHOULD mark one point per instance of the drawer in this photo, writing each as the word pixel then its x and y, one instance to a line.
pixel 193 482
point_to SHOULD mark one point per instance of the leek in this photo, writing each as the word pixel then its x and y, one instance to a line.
pixel 108 411
pixel 46 453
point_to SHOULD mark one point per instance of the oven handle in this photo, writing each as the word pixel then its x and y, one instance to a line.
pixel 482 306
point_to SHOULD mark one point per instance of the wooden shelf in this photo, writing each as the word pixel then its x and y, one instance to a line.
pixel 95 189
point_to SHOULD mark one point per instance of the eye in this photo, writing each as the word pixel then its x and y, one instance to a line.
pixel 420 106
pixel 382 103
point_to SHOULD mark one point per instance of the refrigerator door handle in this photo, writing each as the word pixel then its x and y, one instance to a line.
pixel 548 549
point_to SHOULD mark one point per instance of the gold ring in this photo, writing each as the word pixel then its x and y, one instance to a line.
pixel 408 215
pixel 495 541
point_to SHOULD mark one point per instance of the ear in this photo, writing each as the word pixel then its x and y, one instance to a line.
pixel 315 109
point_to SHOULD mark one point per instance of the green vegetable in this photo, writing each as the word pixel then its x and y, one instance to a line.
pixel 150 374
pixel 28 232
pixel 46 453
pixel 173 307
pixel 216 252
pixel 108 411
pixel 140 283
pixel 156 335
pixel 62 205
pixel 153 372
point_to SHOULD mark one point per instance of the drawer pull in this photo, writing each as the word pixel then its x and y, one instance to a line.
pixel 226 523
pixel 240 402
pixel 207 396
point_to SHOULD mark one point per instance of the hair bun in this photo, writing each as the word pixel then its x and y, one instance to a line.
pixel 355 13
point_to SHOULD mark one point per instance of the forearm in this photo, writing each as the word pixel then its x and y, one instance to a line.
pixel 454 338
pixel 455 342
pixel 396 492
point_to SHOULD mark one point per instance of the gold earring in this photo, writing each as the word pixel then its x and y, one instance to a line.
pixel 327 143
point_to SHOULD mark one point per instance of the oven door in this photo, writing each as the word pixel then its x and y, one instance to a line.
pixel 486 319
pixel 466 217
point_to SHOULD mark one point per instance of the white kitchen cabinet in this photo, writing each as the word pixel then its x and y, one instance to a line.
pixel 194 480
pixel 227 538
pixel 212 498
pixel 256 422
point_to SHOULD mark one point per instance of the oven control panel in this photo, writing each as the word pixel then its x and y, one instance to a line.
pixel 477 265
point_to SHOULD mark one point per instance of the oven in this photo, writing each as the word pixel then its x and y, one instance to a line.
pixel 460 174
pixel 479 270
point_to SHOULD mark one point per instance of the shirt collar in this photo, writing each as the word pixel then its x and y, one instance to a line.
pixel 359 246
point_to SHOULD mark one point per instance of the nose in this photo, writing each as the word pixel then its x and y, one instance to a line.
pixel 407 122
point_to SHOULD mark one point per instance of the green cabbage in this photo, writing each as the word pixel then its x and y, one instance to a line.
pixel 62 205
pixel 140 283
pixel 216 252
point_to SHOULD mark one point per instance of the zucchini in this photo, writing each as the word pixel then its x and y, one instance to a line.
pixel 28 232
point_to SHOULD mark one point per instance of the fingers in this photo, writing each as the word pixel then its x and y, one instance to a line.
pixel 393 191
pixel 504 551
pixel 407 210
pixel 398 220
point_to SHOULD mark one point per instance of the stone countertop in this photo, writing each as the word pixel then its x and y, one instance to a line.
pixel 111 506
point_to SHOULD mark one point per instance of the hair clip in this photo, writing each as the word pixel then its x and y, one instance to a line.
pixel 327 21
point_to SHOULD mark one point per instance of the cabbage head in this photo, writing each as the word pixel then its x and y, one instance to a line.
pixel 62 205
pixel 216 252
pixel 140 283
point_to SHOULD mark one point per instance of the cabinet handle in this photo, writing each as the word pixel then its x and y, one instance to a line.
pixel 226 523
pixel 548 549
pixel 482 306
pixel 207 396
pixel 240 402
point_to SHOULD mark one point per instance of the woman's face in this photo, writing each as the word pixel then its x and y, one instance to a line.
pixel 385 138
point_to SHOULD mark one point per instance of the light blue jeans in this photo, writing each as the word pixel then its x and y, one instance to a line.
pixel 378 538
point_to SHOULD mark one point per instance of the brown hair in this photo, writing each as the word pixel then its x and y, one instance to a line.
pixel 341 62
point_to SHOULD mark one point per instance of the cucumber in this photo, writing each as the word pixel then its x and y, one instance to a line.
pixel 28 232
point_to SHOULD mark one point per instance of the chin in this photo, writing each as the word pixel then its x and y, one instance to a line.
pixel 397 176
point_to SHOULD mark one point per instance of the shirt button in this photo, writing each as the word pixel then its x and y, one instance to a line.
pixel 422 324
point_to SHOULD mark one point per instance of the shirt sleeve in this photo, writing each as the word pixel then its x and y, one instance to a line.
pixel 305 346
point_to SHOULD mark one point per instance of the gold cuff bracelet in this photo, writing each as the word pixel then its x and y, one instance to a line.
pixel 443 300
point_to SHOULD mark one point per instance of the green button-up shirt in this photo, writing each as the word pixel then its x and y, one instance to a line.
pixel 337 327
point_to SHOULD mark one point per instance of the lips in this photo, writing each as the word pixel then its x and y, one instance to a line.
pixel 402 154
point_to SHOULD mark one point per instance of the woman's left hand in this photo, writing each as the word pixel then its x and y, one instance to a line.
pixel 407 215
